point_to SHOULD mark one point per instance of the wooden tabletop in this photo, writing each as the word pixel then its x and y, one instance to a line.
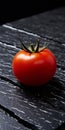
pixel 38 108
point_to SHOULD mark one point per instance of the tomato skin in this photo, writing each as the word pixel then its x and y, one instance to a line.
pixel 34 69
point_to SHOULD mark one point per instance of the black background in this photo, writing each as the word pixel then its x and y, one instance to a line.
pixel 10 11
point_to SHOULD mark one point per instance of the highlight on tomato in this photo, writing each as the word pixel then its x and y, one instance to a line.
pixel 34 66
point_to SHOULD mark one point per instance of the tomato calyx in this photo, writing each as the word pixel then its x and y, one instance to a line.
pixel 34 48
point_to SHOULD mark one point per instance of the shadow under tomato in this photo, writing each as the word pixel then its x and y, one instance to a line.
pixel 54 86
pixel 62 127
pixel 50 95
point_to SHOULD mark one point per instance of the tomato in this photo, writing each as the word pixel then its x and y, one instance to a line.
pixel 34 68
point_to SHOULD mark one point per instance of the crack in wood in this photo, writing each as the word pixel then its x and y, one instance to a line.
pixel 10 81
pixel 20 120
pixel 22 31
pixel 30 33
pixel 7 45
pixel 51 39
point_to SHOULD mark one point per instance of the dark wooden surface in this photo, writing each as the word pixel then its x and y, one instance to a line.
pixel 33 109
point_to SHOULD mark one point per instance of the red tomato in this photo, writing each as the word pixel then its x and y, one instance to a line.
pixel 34 69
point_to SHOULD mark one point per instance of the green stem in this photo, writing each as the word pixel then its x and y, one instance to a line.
pixel 32 48
pixel 44 47
pixel 23 46
pixel 37 46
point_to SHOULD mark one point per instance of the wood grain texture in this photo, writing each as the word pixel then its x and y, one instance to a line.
pixel 42 108
pixel 9 123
